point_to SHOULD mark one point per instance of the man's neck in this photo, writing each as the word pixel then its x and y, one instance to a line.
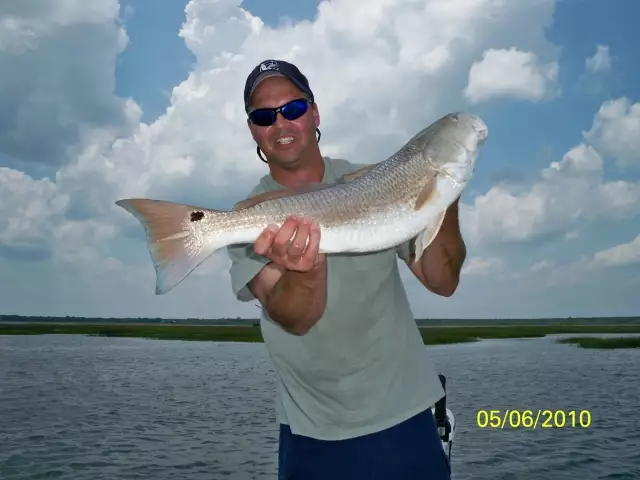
pixel 310 171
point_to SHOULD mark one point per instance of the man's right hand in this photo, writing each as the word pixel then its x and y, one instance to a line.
pixel 293 287
pixel 294 246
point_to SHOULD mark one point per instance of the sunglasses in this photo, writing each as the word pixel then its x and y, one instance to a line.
pixel 265 117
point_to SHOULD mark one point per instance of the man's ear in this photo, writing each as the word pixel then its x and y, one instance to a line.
pixel 316 114
pixel 250 126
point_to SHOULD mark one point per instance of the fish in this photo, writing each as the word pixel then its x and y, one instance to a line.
pixel 377 207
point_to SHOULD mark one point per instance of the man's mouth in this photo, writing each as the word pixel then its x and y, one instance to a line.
pixel 284 140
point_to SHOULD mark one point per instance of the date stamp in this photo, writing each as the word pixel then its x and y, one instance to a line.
pixel 532 419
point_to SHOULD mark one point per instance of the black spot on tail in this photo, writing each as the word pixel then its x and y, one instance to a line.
pixel 197 216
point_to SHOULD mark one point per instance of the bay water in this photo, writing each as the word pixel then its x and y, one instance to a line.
pixel 79 407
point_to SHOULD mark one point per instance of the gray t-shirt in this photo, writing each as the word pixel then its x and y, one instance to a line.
pixel 363 367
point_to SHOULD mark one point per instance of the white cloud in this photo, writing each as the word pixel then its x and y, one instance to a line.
pixel 596 271
pixel 380 65
pixel 202 144
pixel 542 265
pixel 24 24
pixel 57 60
pixel 580 160
pixel 600 61
pixel 567 192
pixel 512 74
pixel 614 131
pixel 480 266
pixel 29 211
pixel 620 255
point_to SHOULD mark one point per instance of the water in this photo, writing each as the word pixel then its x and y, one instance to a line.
pixel 74 407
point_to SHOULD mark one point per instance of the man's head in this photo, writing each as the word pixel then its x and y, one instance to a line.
pixel 287 136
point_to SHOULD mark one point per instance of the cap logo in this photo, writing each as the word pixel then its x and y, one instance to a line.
pixel 269 65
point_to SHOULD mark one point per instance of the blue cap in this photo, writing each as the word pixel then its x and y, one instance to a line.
pixel 270 68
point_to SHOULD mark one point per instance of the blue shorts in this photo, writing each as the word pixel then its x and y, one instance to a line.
pixel 410 450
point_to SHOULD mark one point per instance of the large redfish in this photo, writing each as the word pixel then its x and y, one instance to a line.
pixel 377 207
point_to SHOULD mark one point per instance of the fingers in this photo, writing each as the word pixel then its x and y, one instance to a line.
pixel 299 242
pixel 280 246
pixel 311 253
pixel 294 245
pixel 262 244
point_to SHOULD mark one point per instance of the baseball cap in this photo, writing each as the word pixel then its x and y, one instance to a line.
pixel 270 68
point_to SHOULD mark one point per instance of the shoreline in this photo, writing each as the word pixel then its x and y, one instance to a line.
pixel 431 335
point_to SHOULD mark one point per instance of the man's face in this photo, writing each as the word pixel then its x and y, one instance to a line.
pixel 275 92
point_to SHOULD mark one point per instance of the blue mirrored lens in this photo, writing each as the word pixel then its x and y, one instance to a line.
pixel 295 109
pixel 267 116
pixel 263 117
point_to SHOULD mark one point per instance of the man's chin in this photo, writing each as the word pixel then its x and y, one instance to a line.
pixel 286 159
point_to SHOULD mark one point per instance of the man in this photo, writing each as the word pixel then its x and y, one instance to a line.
pixel 354 384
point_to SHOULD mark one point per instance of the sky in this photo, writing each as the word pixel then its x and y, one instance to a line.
pixel 102 100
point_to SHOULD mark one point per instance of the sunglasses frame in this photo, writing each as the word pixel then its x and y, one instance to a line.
pixel 276 110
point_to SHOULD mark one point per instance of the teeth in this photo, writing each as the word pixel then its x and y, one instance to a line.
pixel 285 140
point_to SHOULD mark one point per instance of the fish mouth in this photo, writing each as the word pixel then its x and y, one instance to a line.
pixel 479 127
pixel 482 131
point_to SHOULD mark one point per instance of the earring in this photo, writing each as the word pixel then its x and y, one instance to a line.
pixel 260 155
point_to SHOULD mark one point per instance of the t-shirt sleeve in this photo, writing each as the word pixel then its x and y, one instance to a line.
pixel 245 264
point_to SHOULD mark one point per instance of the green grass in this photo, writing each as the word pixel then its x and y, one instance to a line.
pixel 443 335
pixel 160 332
pixel 430 335
pixel 603 343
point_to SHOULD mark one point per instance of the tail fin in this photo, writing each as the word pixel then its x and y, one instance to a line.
pixel 174 250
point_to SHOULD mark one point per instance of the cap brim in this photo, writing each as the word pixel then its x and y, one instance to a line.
pixel 262 77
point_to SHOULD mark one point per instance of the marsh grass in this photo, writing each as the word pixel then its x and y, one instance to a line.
pixel 430 335
pixel 603 343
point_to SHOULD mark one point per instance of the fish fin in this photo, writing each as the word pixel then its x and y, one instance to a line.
pixel 311 187
pixel 287 192
pixel 410 256
pixel 427 194
pixel 356 174
pixel 424 238
pixel 174 250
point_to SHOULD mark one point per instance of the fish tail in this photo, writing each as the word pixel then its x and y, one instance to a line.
pixel 175 250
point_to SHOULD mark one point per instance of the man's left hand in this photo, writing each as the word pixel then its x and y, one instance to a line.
pixel 439 267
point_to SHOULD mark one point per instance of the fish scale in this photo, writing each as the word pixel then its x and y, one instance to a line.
pixel 377 207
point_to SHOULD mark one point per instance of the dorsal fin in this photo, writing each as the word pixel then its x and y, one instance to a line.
pixel 287 192
pixel 356 174
pixel 312 187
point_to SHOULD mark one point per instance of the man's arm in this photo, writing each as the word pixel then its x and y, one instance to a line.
pixel 293 287
pixel 439 267
pixel 295 300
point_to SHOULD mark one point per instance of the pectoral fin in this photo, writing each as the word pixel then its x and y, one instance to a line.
pixel 424 238
pixel 427 194
pixel 410 256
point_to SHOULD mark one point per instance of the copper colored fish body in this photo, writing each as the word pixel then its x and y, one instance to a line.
pixel 377 207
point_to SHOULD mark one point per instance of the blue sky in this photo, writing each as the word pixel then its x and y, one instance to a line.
pixel 141 98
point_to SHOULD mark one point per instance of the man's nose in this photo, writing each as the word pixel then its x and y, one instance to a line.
pixel 280 120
